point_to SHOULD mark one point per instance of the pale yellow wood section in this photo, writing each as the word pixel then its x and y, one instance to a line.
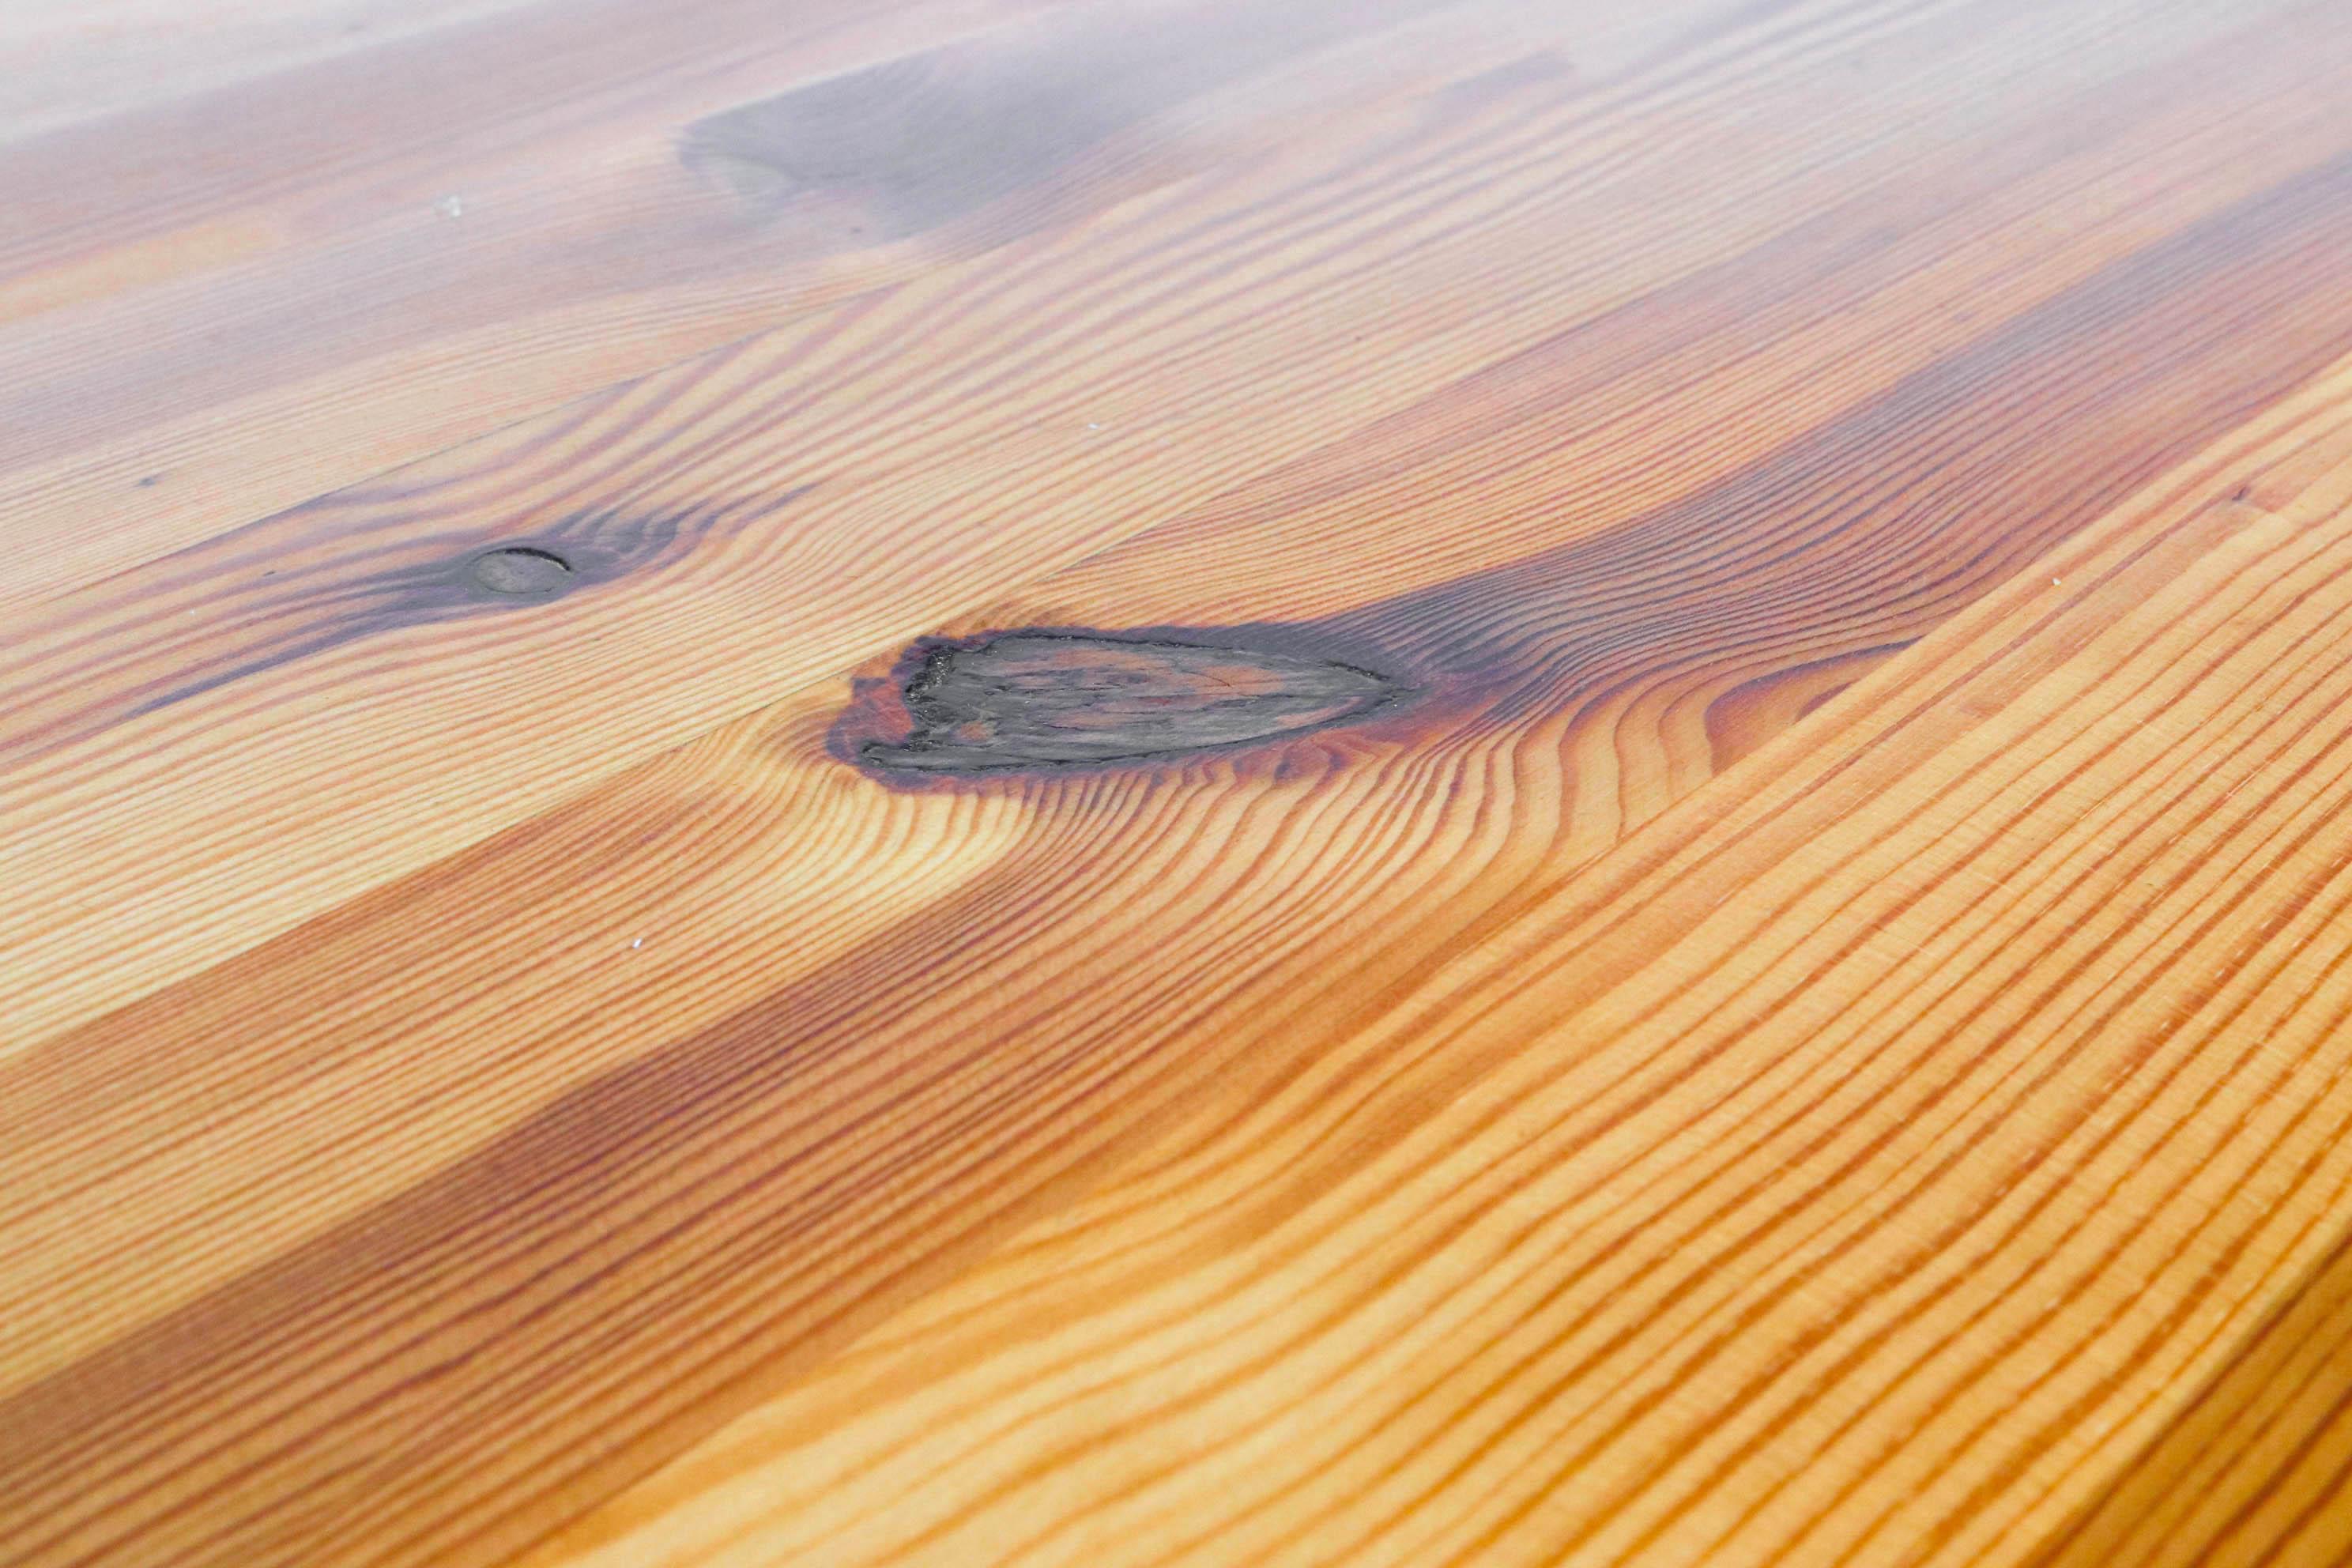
pixel 1859 1166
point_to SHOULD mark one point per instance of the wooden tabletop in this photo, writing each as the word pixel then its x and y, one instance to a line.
pixel 1176 784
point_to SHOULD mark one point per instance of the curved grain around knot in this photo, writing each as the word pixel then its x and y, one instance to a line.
pixel 1069 700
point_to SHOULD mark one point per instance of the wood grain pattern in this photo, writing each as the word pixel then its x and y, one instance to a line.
pixel 1432 784
pixel 417 774
pixel 2252 1469
pixel 1465 1284
pixel 570 237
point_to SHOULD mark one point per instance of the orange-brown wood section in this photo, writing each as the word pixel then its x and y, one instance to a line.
pixel 1176 784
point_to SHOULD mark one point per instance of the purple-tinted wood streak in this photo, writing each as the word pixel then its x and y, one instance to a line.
pixel 906 147
pixel 520 185
pixel 299 584
pixel 753 1193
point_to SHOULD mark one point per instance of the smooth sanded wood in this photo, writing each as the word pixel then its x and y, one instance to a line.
pixel 1424 783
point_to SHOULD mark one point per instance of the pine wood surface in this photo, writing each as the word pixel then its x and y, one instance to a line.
pixel 1021 782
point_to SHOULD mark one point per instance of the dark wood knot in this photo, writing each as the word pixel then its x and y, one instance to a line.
pixel 519 571
pixel 1052 699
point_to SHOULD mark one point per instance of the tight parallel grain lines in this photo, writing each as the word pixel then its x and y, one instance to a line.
pixel 2304 671
pixel 2255 1468
pixel 2273 587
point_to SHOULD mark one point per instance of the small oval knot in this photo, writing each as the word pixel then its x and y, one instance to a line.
pixel 519 571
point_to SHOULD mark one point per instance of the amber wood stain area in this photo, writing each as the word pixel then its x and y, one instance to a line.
pixel 1448 783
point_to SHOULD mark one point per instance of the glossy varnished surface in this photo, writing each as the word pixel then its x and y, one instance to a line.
pixel 1071 780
